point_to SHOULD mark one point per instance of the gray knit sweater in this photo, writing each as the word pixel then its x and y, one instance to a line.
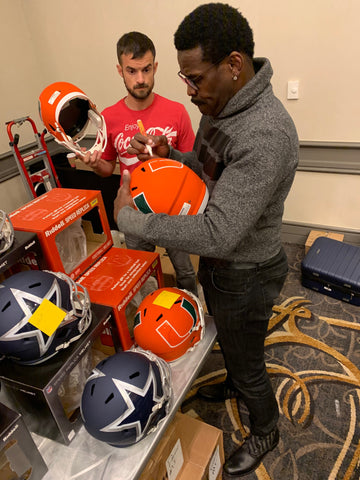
pixel 247 156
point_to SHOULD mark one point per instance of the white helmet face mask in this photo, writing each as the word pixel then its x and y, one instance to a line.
pixel 6 232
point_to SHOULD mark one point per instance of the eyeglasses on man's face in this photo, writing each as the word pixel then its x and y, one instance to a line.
pixel 194 82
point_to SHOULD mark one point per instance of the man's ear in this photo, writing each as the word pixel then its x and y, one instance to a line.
pixel 120 70
pixel 236 62
pixel 155 67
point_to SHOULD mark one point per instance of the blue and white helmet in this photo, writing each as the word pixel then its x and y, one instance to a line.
pixel 21 295
pixel 6 232
pixel 126 396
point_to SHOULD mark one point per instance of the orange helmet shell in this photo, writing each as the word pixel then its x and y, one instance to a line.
pixel 66 112
pixel 166 186
pixel 169 322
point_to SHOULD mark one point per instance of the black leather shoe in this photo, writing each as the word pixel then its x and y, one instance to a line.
pixel 250 454
pixel 218 392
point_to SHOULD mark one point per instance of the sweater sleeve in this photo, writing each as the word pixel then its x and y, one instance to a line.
pixel 248 197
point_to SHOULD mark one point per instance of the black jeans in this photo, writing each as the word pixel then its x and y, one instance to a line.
pixel 241 297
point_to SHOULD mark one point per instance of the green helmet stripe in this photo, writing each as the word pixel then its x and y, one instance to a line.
pixel 142 204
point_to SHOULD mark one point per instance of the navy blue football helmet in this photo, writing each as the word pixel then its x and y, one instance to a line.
pixel 6 232
pixel 126 397
pixel 20 296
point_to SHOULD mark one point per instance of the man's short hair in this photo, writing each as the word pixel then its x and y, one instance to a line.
pixel 218 29
pixel 134 43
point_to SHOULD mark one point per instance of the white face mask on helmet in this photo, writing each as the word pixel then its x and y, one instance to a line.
pixel 67 114
pixel 6 232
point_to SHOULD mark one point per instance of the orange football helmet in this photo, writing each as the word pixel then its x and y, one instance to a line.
pixel 66 112
pixel 162 185
pixel 169 322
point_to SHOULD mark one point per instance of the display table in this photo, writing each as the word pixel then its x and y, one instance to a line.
pixel 90 459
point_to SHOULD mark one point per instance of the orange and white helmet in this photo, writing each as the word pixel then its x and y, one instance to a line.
pixel 162 185
pixel 169 322
pixel 67 112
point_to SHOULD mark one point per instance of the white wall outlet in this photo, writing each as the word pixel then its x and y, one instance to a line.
pixel 293 90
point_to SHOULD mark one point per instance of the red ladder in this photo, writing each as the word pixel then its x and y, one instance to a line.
pixel 42 172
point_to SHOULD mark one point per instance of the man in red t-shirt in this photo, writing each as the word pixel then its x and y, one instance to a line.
pixel 160 116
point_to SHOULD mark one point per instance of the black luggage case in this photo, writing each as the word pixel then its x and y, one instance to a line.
pixel 333 268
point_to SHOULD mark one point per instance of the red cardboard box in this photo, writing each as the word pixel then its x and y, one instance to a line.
pixel 116 278
pixel 57 210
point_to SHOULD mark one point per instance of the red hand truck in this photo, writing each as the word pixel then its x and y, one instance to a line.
pixel 36 167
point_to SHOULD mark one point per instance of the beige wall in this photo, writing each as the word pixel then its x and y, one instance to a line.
pixel 325 199
pixel 315 42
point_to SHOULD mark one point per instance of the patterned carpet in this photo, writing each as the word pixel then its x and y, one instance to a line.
pixel 313 357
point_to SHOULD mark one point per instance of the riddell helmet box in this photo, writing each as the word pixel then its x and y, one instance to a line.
pixel 116 278
pixel 68 240
pixel 166 186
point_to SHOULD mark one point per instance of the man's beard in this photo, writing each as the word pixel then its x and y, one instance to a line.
pixel 140 92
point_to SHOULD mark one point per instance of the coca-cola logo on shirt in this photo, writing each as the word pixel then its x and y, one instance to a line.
pixel 122 141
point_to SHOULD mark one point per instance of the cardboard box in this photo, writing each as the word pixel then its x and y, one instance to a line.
pixel 116 278
pixel 189 450
pixel 39 392
pixel 58 218
pixel 25 252
pixel 168 268
pixel 314 234
pixel 19 457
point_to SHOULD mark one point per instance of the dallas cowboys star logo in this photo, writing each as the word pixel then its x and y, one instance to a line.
pixel 125 389
pixel 28 303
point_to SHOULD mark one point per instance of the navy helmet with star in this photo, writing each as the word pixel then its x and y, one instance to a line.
pixel 126 397
pixel 23 296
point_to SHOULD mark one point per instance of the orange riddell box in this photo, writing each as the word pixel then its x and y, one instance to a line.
pixel 116 278
pixel 68 240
